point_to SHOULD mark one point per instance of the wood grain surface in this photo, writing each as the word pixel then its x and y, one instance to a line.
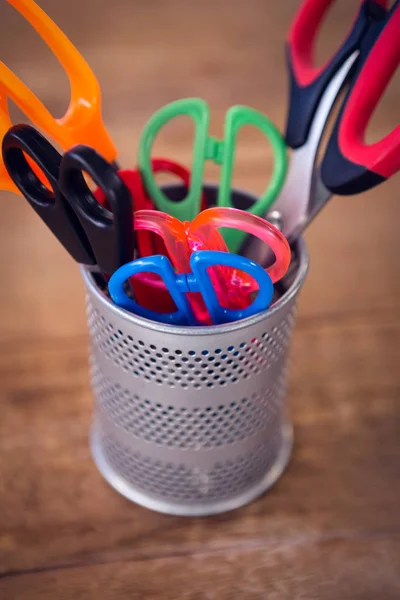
pixel 330 528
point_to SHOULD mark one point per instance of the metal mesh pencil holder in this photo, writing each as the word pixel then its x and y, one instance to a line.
pixel 191 421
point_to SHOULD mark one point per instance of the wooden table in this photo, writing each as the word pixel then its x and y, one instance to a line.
pixel 329 529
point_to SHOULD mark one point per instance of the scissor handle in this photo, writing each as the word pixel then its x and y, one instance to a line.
pixel 179 237
pixel 197 281
pixel 49 204
pixel 110 232
pixel 164 165
pixel 308 82
pixel 82 123
pixel 219 151
pixel 187 208
pixel 350 165
pixel 171 231
pixel 200 281
pixel 236 118
pixel 183 239
pixel 179 244
pixel 222 217
pixel 6 183
pixel 131 179
pixel 146 244
pixel 161 266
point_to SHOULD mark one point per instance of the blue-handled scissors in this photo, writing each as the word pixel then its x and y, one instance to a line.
pixel 196 281
pixel 92 234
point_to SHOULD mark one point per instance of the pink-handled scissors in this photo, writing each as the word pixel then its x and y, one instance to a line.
pixel 234 288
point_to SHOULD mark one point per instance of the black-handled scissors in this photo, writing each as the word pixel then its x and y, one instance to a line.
pixel 92 234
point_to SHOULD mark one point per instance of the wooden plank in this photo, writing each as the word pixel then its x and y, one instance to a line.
pixel 306 567
pixel 343 476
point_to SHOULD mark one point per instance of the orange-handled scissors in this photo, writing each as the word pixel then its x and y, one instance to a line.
pixel 82 123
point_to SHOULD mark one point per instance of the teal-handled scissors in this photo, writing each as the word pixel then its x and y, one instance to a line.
pixel 221 152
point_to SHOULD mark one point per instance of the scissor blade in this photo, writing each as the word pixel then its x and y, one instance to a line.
pixel 296 199
pixel 319 197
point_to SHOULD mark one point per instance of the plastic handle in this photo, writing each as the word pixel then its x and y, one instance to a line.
pixel 172 232
pixel 146 243
pixel 302 36
pixel 197 281
pixel 308 82
pixel 219 151
pixel 197 109
pixel 161 266
pixel 236 118
pixel 6 182
pixel 233 287
pixel 200 280
pixel 82 122
pixel 179 245
pixel 110 233
pixel 164 165
pixel 49 204
pixel 351 166
pixel 250 224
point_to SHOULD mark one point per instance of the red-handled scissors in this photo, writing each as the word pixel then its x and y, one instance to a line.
pixel 365 62
pixel 148 243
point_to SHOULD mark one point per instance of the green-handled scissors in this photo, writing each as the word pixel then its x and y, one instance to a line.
pixel 221 152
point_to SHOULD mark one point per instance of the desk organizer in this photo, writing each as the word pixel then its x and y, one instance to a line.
pixel 192 421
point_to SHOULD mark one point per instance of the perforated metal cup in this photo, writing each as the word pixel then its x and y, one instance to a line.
pixel 191 421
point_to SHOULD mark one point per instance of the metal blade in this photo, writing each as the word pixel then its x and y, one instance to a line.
pixel 297 200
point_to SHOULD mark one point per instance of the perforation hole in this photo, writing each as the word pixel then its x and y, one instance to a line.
pixel 194 369
pixel 166 425
pixel 190 484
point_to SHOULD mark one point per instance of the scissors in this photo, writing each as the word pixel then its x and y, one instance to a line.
pixel 146 243
pixel 92 234
pixel 197 281
pixel 365 62
pixel 221 152
pixel 82 122
pixel 234 288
